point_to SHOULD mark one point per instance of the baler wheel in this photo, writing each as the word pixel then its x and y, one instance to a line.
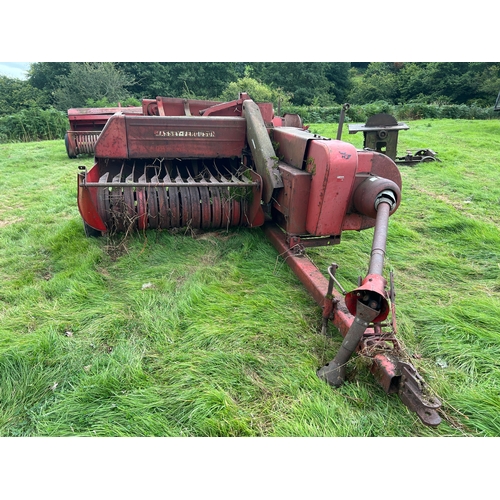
pixel 90 232
pixel 69 148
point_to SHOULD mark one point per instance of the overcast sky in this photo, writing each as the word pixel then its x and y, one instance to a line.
pixel 14 69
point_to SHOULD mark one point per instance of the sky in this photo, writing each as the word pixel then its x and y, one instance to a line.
pixel 14 69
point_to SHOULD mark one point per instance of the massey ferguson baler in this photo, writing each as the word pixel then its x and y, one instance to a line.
pixel 212 165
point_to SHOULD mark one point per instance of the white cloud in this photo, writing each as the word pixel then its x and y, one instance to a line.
pixel 14 69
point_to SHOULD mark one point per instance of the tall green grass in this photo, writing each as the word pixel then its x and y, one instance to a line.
pixel 211 334
pixel 33 125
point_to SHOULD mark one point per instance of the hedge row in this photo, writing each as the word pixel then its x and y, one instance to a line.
pixel 410 111
pixel 33 124
pixel 36 124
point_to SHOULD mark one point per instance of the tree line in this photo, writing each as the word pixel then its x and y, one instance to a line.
pixel 63 85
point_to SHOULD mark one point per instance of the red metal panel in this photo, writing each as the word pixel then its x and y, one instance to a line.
pixel 86 112
pixel 184 137
pixel 112 142
pixel 87 201
pixel 96 118
pixel 293 199
pixel 174 106
pixel 291 144
pixel 333 167
pixel 369 163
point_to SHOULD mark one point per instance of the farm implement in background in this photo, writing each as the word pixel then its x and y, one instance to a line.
pixel 381 134
pixel 85 126
pixel 210 165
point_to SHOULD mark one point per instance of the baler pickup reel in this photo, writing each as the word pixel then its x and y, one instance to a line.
pixel 212 165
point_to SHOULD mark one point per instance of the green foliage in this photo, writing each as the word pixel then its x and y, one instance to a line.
pixel 312 84
pixel 93 81
pixel 205 80
pixel 16 95
pixel 308 83
pixel 105 103
pixel 434 82
pixel 378 83
pixel 258 91
pixel 411 111
pixel 46 75
pixel 33 125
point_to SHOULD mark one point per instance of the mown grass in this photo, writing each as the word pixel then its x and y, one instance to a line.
pixel 210 334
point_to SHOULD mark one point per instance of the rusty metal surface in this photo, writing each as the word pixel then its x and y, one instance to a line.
pixel 389 368
pixel 367 195
pixel 289 204
pixel 170 194
pixel 172 137
pixel 264 156
pixel 334 371
pixel 413 394
pixel 333 166
pixel 87 204
pixel 380 133
pixel 421 155
pixel 291 144
pixel 175 106
pixel 85 126
pixel 80 142
pixel 343 111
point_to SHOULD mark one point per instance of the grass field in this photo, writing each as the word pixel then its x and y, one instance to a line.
pixel 211 334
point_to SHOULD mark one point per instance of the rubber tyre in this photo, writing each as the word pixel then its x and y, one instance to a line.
pixel 69 150
pixel 90 232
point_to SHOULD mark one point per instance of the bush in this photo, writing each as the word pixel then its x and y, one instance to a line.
pixel 408 111
pixel 257 91
pixel 33 125
pixel 105 103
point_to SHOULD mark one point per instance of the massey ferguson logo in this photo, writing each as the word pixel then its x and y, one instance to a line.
pixel 184 133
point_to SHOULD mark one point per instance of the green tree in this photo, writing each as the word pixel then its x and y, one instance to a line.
pixel 379 82
pixel 16 95
pixel 150 79
pixel 488 85
pixel 45 77
pixel 205 80
pixel 308 82
pixel 339 75
pixel 87 82
pixel 258 91
pixel 427 82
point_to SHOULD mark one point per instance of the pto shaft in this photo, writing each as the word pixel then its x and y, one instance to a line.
pixel 367 302
pixel 380 236
pixel 334 372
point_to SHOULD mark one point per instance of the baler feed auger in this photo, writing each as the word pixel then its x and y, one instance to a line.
pixel 211 165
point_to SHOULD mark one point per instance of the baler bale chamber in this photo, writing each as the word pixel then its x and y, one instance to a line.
pixel 85 125
pixel 209 165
